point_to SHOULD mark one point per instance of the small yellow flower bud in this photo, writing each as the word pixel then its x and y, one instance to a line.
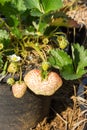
pixel 1 46
pixel 45 41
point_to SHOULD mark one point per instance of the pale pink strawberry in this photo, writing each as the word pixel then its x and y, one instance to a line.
pixel 19 89
pixel 41 86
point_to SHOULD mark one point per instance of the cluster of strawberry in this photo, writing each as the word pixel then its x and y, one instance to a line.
pixel 34 81
pixel 39 86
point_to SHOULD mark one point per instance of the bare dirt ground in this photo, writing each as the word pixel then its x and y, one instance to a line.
pixel 65 112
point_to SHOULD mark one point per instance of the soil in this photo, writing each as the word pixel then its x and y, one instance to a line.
pixel 65 111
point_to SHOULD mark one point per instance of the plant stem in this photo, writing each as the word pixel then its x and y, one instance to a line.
pixel 5 24
pixel 32 45
pixel 6 50
pixel 20 74
pixel 4 68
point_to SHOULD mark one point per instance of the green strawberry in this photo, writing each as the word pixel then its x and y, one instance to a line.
pixel 10 81
pixel 13 67
pixel 62 41
pixel 45 65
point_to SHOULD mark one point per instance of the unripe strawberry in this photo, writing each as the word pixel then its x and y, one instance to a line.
pixel 45 41
pixel 13 67
pixel 10 81
pixel 62 41
pixel 45 65
pixel 41 86
pixel 19 89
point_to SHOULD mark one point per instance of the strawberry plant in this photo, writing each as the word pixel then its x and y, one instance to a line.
pixel 71 67
pixel 28 30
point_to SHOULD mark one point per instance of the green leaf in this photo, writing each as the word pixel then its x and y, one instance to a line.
pixel 59 58
pixel 80 58
pixel 49 5
pixel 56 18
pixel 4 34
pixel 7 11
pixel 68 72
pixel 62 61
pixel 19 4
pixel 15 20
pixel 16 32
pixel 70 67
pixel 1 61
pixel 35 12
pixel 30 4
pixel 4 1
pixel 42 27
